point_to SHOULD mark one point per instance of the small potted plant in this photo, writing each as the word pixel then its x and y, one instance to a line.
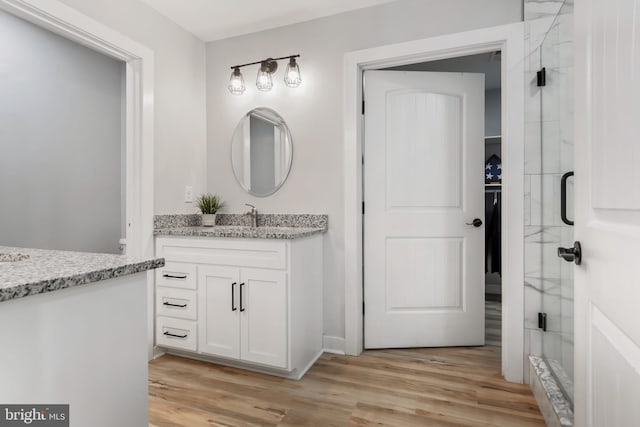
pixel 209 205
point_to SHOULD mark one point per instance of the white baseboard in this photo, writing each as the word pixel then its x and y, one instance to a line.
pixel 157 352
pixel 335 345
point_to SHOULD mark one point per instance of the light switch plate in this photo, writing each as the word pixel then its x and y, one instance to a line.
pixel 188 194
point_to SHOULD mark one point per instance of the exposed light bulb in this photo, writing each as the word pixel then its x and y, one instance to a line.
pixel 264 82
pixel 236 83
pixel 292 76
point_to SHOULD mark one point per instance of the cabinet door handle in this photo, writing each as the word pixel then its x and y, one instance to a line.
pixel 169 334
pixel 174 276
pixel 241 306
pixel 233 296
pixel 174 305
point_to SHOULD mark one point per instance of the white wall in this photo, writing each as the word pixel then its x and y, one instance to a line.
pixel 60 139
pixel 180 106
pixel 314 110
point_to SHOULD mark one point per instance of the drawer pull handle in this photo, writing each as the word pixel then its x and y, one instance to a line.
pixel 241 306
pixel 174 276
pixel 233 296
pixel 169 334
pixel 174 305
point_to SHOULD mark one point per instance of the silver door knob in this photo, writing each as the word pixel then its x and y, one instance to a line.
pixel 573 254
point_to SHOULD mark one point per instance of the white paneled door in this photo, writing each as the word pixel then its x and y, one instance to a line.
pixel 607 222
pixel 423 187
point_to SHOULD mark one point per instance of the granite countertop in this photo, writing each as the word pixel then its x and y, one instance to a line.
pixel 235 231
pixel 49 270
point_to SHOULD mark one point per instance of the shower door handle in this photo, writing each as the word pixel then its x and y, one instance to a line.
pixel 563 198
pixel 573 254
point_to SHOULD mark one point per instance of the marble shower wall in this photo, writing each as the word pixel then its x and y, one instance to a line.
pixel 546 159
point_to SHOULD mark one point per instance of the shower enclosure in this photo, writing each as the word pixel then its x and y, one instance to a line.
pixel 555 183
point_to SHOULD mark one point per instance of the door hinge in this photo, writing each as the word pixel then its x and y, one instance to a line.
pixel 541 77
pixel 363 107
pixel 542 321
pixel 362 208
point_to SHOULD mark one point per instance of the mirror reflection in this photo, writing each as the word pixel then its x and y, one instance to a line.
pixel 261 152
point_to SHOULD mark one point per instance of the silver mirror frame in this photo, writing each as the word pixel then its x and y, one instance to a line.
pixel 283 126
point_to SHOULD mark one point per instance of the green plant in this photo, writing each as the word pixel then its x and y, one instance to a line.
pixel 210 203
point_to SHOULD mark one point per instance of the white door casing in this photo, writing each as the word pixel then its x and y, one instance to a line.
pixel 607 223
pixel 509 39
pixel 423 185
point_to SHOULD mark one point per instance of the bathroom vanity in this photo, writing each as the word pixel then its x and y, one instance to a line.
pixel 242 296
pixel 74 331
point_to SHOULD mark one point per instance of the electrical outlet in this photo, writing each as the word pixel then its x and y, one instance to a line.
pixel 188 194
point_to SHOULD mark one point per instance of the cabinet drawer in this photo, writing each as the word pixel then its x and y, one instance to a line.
pixel 258 253
pixel 179 303
pixel 177 275
pixel 176 333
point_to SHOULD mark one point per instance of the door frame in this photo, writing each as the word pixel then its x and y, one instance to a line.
pixel 65 21
pixel 509 39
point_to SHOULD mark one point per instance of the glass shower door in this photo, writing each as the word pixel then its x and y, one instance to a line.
pixel 556 213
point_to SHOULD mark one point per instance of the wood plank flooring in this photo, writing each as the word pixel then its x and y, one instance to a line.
pixel 396 388
pixel 493 323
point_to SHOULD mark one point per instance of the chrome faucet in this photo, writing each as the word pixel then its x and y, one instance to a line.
pixel 253 213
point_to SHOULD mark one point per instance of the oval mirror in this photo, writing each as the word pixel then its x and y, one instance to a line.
pixel 261 152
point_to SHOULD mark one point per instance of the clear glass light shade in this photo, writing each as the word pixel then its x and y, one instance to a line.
pixel 292 76
pixel 236 83
pixel 264 82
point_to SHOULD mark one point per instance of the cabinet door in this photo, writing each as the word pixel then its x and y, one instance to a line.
pixel 263 321
pixel 218 300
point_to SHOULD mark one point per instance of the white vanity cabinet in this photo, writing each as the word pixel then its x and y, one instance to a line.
pixel 244 314
pixel 254 303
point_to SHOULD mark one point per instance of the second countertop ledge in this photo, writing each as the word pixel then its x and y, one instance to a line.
pixel 270 226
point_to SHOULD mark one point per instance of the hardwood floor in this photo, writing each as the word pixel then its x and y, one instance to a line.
pixel 493 323
pixel 403 387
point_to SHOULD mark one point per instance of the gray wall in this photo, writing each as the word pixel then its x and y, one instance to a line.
pixel 61 137
pixel 492 113
pixel 314 111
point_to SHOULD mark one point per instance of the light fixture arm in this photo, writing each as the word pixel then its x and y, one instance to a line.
pixel 265 60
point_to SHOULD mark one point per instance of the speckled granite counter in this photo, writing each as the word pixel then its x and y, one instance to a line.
pixel 48 270
pixel 233 231
pixel 270 226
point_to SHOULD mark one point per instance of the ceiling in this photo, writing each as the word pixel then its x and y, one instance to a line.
pixel 211 20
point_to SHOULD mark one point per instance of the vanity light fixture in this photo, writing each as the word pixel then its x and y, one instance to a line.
pixel 264 79
pixel 292 73
pixel 236 84
pixel 264 82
